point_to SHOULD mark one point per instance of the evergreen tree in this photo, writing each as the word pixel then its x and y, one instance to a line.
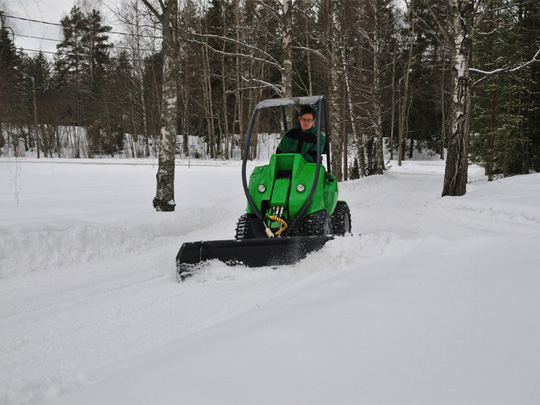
pixel 81 64
pixel 9 59
pixel 9 89
pixel 39 68
pixel 8 52
pixel 354 171
pixel 504 127
pixel 430 57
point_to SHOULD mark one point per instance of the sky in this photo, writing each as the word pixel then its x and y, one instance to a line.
pixel 33 36
pixel 36 35
pixel 51 11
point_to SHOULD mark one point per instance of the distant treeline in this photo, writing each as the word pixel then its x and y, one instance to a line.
pixel 394 71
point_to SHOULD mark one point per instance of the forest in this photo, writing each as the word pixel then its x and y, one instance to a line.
pixel 459 79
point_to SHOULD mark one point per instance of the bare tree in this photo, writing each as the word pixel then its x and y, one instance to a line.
pixel 167 16
pixel 464 28
pixel 132 17
pixel 335 86
pixel 376 44
pixel 404 102
pixel 286 41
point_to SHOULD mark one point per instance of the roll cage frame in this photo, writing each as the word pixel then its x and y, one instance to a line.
pixel 319 104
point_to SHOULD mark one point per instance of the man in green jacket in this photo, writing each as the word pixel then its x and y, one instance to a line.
pixel 302 138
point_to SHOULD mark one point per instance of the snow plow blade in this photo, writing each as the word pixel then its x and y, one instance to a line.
pixel 256 252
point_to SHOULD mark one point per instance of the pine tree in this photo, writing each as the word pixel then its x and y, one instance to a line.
pixel 8 52
pixel 39 68
pixel 81 61
pixel 354 171
pixel 506 110
pixel 9 90
pixel 9 59
pixel 429 82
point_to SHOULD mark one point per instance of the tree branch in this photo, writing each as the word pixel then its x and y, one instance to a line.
pixel 232 54
pixel 505 70
pixel 272 10
pixel 316 52
pixel 236 42
pixel 479 19
pixel 153 10
pixel 277 88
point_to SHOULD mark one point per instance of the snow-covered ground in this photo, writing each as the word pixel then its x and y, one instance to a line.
pixel 432 300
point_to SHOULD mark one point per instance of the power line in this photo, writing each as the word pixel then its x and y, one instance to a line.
pixel 37 51
pixel 40 38
pixel 59 40
pixel 67 26
pixel 54 53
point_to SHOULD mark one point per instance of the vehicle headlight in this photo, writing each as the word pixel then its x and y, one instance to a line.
pixel 262 188
pixel 300 188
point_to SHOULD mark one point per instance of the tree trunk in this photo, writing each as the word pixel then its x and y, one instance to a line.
pixel 506 157
pixel 308 57
pixel 443 111
pixel 352 117
pixel 344 133
pixel 239 100
pixel 455 175
pixel 392 124
pixel 403 124
pixel 208 103
pixel 491 141
pixel 376 92
pixel 335 77
pixel 225 108
pixel 164 199
pixel 185 120
pixel 286 42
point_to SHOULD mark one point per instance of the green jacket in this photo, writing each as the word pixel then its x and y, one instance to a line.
pixel 305 143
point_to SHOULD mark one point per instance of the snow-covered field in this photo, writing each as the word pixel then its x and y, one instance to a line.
pixel 432 300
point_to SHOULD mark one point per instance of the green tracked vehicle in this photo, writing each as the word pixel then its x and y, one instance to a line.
pixel 292 205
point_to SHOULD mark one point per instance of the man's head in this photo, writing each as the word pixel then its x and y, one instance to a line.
pixel 307 117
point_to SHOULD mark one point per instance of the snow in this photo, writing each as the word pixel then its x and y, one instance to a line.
pixel 432 300
pixel 276 102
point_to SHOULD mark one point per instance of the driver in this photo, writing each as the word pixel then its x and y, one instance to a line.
pixel 302 138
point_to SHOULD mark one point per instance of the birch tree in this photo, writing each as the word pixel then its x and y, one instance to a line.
pixel 335 87
pixel 377 8
pixel 167 15
pixel 404 102
pixel 286 41
pixel 139 42
pixel 464 25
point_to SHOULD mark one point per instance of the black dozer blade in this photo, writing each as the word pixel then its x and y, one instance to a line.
pixel 255 252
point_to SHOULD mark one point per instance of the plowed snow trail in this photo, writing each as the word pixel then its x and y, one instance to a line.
pixel 87 271
pixel 100 288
